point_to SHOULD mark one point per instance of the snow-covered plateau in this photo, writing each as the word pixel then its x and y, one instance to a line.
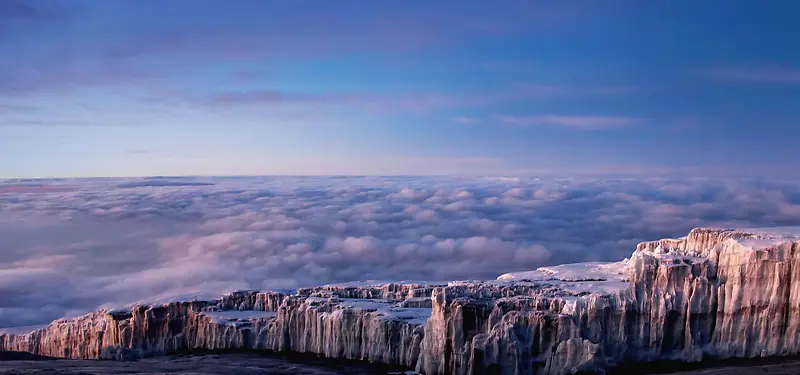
pixel 716 293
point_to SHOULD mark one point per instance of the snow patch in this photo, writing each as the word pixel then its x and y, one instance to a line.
pixel 381 283
pixel 232 316
pixel 364 304
pixel 589 271
pixel 773 232
pixel 409 315
pixel 578 279
pixel 173 298
pixel 762 243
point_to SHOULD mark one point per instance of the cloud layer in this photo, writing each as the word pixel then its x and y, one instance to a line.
pixel 71 246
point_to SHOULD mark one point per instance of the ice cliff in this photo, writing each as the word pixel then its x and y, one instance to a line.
pixel 716 293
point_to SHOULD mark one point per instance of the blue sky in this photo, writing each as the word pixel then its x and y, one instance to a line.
pixel 201 87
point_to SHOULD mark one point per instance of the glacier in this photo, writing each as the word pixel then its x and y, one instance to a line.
pixel 713 294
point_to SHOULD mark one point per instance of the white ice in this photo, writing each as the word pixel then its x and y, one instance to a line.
pixel 572 272
pixel 222 317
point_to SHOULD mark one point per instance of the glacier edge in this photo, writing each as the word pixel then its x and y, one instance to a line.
pixel 715 293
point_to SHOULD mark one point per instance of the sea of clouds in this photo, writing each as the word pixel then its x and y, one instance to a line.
pixel 68 247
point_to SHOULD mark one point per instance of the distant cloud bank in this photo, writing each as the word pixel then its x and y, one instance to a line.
pixel 71 246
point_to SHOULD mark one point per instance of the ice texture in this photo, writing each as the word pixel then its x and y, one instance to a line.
pixel 717 293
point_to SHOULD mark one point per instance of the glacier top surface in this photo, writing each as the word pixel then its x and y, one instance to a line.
pixel 774 232
pixel 578 278
pixel 762 243
pixel 186 297
pixel 589 271
pixel 226 316
pixel 415 315
pixel 164 300
pixel 380 283
pixel 381 309
pixel 767 238
pixel 364 303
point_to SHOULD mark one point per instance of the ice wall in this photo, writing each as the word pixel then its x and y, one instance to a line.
pixel 712 294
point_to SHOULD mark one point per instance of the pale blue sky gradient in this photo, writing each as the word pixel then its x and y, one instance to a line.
pixel 202 87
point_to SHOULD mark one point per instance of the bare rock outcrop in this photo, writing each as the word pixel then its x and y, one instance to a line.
pixel 716 293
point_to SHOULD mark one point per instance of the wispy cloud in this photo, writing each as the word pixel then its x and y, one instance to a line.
pixel 261 30
pixel 14 108
pixel 576 122
pixel 65 73
pixel 56 122
pixel 466 120
pixel 42 122
pixel 362 100
pixel 767 75
pixel 533 89
pixel 411 101
pixel 267 97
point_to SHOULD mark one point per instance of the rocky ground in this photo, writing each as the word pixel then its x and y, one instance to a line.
pixel 251 364
pixel 239 364
pixel 790 368
pixel 780 368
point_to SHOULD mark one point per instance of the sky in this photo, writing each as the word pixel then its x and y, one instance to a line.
pixel 383 87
